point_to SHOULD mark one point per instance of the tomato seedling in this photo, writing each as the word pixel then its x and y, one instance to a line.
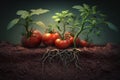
pixel 31 37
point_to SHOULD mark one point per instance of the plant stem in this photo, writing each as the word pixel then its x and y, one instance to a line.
pixel 81 29
pixel 77 34
pixel 63 30
pixel 26 27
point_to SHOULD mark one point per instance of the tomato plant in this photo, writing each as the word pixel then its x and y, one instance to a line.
pixel 89 20
pixel 63 19
pixel 25 19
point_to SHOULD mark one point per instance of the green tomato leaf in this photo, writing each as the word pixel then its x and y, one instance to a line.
pixel 41 24
pixel 38 11
pixel 69 20
pixel 76 24
pixel 80 8
pixel 12 23
pixel 65 12
pixel 23 13
pixel 86 6
pixel 111 26
pixel 94 10
pixel 70 14
pixel 55 17
pixel 82 14
pixel 57 20
pixel 58 14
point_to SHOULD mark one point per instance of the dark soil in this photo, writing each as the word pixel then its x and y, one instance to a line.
pixel 96 63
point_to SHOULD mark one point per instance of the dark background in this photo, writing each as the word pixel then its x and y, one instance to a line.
pixel 8 10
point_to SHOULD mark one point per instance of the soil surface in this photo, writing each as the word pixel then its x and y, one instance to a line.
pixel 96 63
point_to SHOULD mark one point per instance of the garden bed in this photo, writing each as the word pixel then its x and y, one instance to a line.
pixel 96 63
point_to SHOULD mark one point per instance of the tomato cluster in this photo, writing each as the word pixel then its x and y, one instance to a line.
pixel 51 39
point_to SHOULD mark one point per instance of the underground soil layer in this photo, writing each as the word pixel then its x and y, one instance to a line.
pixel 96 63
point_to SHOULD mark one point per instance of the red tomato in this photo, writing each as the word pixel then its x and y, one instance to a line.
pixel 62 44
pixel 33 41
pixel 72 41
pixel 49 38
pixel 83 43
pixel 70 36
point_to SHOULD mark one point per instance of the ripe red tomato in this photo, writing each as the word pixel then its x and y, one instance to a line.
pixel 33 41
pixel 49 38
pixel 70 36
pixel 83 43
pixel 72 41
pixel 62 44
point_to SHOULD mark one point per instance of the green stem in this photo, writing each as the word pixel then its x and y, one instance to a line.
pixel 26 27
pixel 78 33
pixel 63 30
